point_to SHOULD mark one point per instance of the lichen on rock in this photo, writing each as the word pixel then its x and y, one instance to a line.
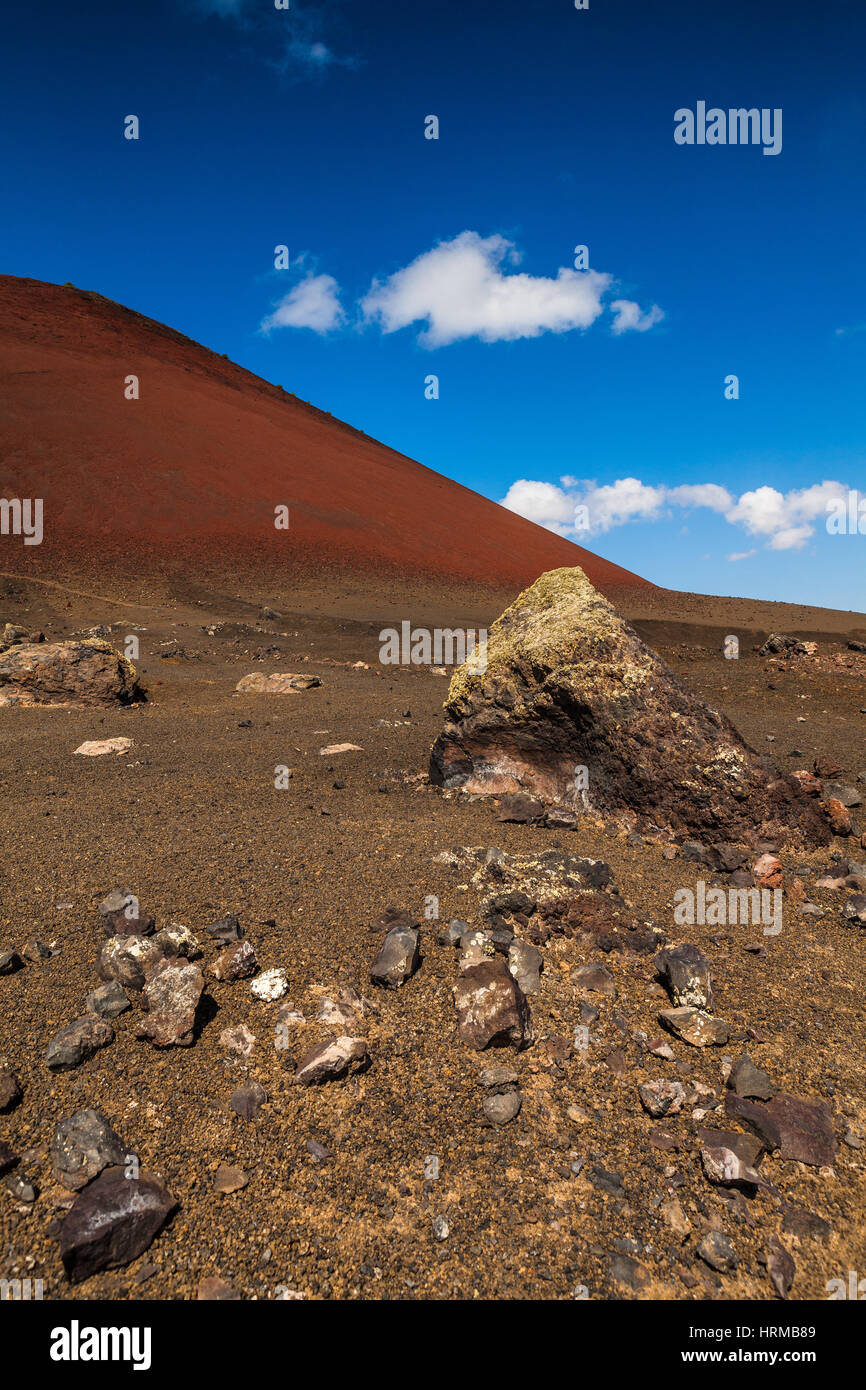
pixel 576 709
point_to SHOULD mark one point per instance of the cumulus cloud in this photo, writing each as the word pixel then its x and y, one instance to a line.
pixel 462 289
pixel 314 303
pixel 741 555
pixel 784 521
pixel 629 318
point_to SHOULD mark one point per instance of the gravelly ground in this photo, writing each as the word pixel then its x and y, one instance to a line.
pixel 191 821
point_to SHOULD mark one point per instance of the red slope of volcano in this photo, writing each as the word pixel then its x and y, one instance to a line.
pixel 201 460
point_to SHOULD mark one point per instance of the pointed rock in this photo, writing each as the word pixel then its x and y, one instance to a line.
pixel 567 685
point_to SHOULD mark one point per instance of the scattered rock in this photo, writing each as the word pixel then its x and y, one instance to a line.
pixel 594 977
pixel 525 963
pixel 36 950
pixel 491 1006
pixel 502 1108
pixel 780 1267
pixel 248 1100
pixel 226 930
pixel 238 1039
pixel 717 1251
pixel 108 1001
pixel 331 1060
pixel 113 1221
pixel 755 1118
pixel 122 915
pixel 398 958
pixel 271 984
pixel 767 871
pixel 78 1041
pixel 170 1000
pixel 839 817
pixel 10 961
pixel 127 959
pixel 280 683
pixel 10 1089
pixel 215 1290
pixel 805 1129
pixel 688 975
pixel 237 963
pixel 82 1146
pixel 662 1097
pixel 695 1027
pixel 746 1080
pixel 228 1179
pixel 97 748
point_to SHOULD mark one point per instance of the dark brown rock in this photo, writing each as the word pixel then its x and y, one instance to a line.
pixel 755 1118
pixel 113 1221
pixel 569 685
pixel 10 1089
pixel 780 1267
pixel 805 1129
pixel 491 1006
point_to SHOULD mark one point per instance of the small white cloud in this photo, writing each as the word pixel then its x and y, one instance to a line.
pixel 628 317
pixel 784 521
pixel 314 303
pixel 460 289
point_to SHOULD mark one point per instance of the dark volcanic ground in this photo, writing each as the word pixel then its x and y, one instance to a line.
pixel 190 820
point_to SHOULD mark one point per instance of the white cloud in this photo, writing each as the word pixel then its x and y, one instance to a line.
pixel 462 291
pixel 314 303
pixel 628 316
pixel 784 518
pixel 784 521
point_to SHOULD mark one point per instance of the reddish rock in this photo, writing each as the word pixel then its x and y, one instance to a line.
pixel 491 1006
pixel 767 871
pixel 838 816
pixel 237 963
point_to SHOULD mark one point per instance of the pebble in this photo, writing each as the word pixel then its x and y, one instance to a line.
pixel 502 1108
pixel 662 1097
pixel 248 1099
pixel 272 984
pixel 695 1027
pixel 717 1251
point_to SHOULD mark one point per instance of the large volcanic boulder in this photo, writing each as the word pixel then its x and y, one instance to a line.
pixel 86 672
pixel 568 685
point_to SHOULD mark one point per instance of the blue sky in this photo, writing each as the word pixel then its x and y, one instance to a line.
pixel 455 257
